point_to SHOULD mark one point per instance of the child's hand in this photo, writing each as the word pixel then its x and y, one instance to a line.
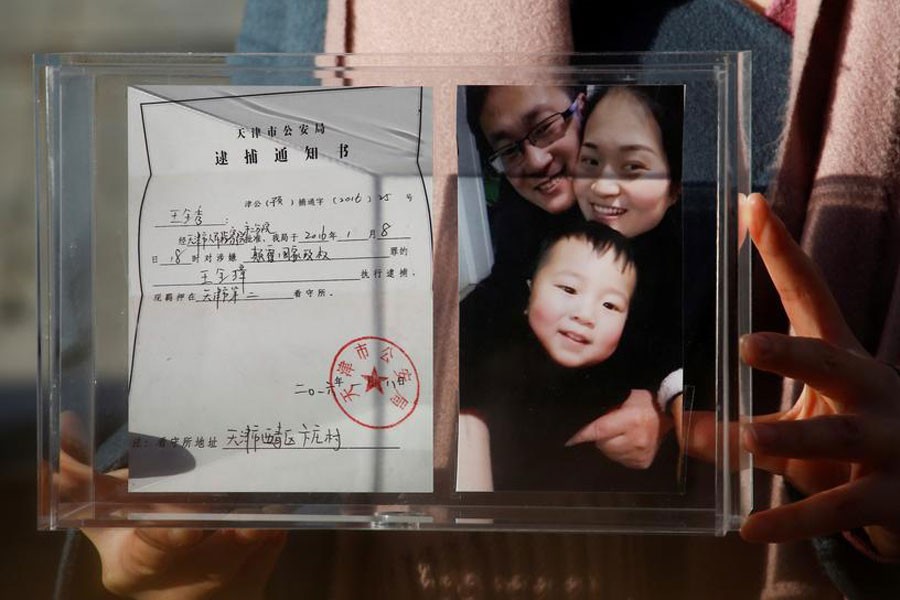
pixel 629 435
pixel 150 563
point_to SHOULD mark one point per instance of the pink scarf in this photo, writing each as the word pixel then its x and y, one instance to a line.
pixel 839 192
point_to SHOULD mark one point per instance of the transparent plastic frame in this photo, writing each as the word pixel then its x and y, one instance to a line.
pixel 81 183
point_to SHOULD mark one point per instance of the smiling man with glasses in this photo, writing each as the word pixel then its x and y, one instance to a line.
pixel 511 158
pixel 530 134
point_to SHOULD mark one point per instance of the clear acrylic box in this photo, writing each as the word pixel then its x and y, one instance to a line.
pixel 195 276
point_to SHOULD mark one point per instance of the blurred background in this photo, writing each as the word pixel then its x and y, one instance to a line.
pixel 28 559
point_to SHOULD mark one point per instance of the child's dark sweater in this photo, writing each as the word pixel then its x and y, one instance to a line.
pixel 532 406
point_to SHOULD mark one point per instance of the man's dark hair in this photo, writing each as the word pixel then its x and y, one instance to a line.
pixel 476 96
pixel 602 239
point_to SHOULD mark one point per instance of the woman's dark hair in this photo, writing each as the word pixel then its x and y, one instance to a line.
pixel 666 104
pixel 476 96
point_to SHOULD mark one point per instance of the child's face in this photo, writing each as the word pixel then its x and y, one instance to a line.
pixel 622 179
pixel 579 303
pixel 540 175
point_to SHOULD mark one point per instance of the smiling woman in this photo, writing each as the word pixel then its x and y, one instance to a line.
pixel 629 166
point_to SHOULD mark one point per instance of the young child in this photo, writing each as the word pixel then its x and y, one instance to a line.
pixel 580 294
pixel 535 388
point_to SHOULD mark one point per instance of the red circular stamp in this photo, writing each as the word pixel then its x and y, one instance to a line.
pixel 374 382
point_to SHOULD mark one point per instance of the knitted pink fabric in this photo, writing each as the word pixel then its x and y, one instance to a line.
pixel 521 26
pixel 839 192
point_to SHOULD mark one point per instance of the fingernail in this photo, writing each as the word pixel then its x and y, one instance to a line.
pixel 762 434
pixel 763 345
pixel 254 536
pixel 759 345
pixel 185 537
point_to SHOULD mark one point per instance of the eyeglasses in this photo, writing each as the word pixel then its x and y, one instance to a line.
pixel 510 157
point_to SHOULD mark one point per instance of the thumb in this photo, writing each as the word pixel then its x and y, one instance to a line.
pixel 141 551
pixel 254 574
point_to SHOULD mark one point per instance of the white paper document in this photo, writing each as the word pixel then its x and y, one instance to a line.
pixel 280 278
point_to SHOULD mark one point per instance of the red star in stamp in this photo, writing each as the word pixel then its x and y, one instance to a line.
pixel 373 381
pixel 397 383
